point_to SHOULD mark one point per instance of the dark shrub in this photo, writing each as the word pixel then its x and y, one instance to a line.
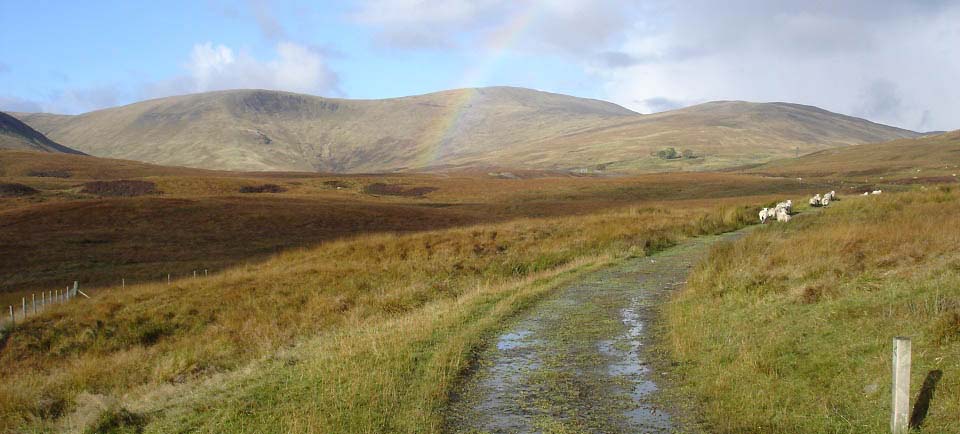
pixel 16 190
pixel 118 420
pixel 49 173
pixel 668 154
pixel 119 188
pixel 265 188
pixel 396 190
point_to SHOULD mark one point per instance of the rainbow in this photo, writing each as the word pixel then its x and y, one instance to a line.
pixel 495 47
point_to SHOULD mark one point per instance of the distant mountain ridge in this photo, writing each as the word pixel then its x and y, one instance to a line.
pixel 462 128
pixel 17 135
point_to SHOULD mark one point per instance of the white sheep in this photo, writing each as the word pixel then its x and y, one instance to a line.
pixel 769 214
pixel 866 193
pixel 815 200
pixel 825 201
pixel 783 215
pixel 877 192
pixel 763 215
pixel 788 205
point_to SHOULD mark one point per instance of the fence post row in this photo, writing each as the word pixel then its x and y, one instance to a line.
pixel 900 405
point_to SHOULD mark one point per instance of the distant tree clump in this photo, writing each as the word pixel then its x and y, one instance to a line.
pixel 264 188
pixel 49 173
pixel 124 188
pixel 379 188
pixel 668 154
pixel 16 190
pixel 688 153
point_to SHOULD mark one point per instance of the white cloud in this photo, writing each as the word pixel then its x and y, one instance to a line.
pixel 893 62
pixel 566 26
pixel 296 68
pixel 424 23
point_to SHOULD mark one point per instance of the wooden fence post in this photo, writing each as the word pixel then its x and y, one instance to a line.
pixel 168 278
pixel 900 411
pixel 13 320
pixel 34 296
pixel 204 272
pixel 194 274
pixel 123 283
pixel 76 287
pixel 43 301
pixel 24 301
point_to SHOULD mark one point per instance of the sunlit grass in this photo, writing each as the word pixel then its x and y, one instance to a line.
pixel 408 309
pixel 790 328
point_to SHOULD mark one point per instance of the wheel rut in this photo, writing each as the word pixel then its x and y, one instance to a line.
pixel 575 362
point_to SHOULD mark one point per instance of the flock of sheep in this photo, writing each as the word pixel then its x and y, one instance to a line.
pixel 824 200
pixel 783 210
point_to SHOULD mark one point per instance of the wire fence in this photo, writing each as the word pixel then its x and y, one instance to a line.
pixel 38 302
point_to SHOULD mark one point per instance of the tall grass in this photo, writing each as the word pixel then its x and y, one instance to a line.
pixel 365 334
pixel 789 329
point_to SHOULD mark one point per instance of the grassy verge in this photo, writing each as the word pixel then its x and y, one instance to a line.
pixel 355 335
pixel 380 376
pixel 789 329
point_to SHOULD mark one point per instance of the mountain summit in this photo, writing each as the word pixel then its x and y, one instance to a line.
pixel 495 126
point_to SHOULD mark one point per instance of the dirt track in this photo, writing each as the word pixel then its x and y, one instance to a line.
pixel 575 362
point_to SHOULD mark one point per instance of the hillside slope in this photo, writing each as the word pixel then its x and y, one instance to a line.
pixel 497 126
pixel 811 308
pixel 721 134
pixel 923 157
pixel 17 135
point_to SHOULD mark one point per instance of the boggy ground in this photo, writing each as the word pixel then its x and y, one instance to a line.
pixel 199 219
pixel 575 362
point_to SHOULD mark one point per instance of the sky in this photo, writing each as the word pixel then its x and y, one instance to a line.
pixel 890 61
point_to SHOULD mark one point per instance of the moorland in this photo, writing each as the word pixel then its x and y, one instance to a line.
pixel 356 302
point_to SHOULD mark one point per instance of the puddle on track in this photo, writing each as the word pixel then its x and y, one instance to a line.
pixel 574 362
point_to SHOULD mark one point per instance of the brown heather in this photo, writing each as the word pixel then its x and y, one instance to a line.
pixel 426 297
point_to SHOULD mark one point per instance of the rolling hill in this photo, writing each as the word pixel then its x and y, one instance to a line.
pixel 464 128
pixel 17 135
pixel 923 159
